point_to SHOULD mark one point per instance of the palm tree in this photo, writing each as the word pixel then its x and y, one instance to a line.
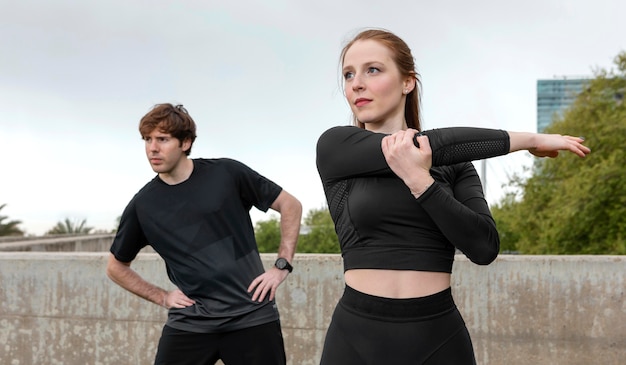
pixel 70 227
pixel 9 228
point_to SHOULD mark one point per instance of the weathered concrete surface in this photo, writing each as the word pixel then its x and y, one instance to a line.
pixel 545 309
pixel 60 243
pixel 60 308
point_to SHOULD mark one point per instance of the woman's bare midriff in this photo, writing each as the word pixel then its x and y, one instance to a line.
pixel 397 284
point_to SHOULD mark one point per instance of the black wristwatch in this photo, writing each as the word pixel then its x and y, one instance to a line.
pixel 283 264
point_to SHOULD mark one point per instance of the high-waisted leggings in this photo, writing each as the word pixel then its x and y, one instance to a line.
pixel 371 330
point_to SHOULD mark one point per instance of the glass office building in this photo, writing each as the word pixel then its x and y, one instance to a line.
pixel 554 96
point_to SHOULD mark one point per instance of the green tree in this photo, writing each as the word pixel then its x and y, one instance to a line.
pixel 320 236
pixel 267 234
pixel 9 228
pixel 70 227
pixel 569 205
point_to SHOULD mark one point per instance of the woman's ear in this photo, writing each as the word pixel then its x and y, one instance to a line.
pixel 409 84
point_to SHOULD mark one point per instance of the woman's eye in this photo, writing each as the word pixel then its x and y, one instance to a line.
pixel 373 70
pixel 348 75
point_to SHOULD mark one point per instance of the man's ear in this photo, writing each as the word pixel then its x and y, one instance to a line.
pixel 186 145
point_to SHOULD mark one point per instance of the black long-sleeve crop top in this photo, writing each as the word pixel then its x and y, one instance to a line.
pixel 381 225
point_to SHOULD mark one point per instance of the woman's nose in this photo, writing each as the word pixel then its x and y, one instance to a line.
pixel 357 83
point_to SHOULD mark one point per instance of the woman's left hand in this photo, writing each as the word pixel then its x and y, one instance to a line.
pixel 549 145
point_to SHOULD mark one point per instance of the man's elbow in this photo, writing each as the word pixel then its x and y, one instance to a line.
pixel 297 207
pixel 291 205
pixel 110 272
pixel 114 267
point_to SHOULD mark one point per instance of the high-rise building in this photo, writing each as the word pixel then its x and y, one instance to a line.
pixel 554 96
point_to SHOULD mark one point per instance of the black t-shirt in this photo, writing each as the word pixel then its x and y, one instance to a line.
pixel 381 225
pixel 203 231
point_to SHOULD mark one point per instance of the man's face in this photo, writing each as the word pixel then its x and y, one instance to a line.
pixel 164 152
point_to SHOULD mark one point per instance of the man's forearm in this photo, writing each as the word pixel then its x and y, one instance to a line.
pixel 289 232
pixel 290 216
pixel 130 280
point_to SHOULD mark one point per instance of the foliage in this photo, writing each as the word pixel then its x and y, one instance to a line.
pixel 321 236
pixel 267 234
pixel 9 228
pixel 70 227
pixel 569 205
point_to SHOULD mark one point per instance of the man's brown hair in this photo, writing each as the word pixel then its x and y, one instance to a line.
pixel 171 119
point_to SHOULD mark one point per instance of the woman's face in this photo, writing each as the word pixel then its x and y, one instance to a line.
pixel 374 87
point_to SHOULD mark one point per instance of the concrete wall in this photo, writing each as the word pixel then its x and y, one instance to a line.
pixel 59 308
pixel 60 243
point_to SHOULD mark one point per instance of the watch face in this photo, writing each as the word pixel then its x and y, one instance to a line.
pixel 282 264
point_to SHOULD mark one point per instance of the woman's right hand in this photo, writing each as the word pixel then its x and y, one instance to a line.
pixel 410 163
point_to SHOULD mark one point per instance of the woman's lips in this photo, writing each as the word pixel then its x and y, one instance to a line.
pixel 361 101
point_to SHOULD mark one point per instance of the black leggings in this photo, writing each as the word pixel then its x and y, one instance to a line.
pixel 370 330
pixel 259 345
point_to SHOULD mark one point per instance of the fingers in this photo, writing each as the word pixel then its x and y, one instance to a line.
pixel 384 144
pixel 549 145
pixel 177 299
pixel 254 283
pixel 391 142
pixel 576 146
pixel 576 150
pixel 404 138
pixel 424 143
pixel 262 290
pixel 576 139
pixel 267 283
pixel 415 141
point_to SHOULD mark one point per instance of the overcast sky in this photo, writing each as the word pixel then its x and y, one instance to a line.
pixel 261 80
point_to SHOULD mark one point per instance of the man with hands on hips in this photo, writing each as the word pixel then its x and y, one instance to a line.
pixel 195 215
